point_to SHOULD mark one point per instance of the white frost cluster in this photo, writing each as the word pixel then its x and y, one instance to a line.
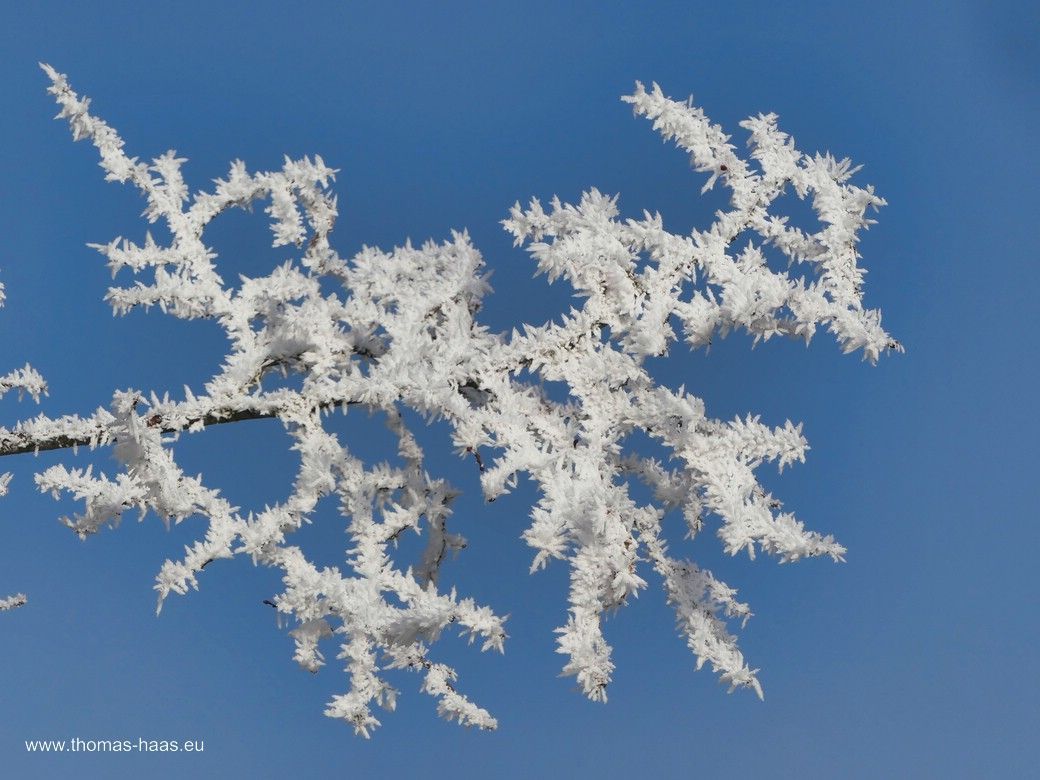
pixel 401 334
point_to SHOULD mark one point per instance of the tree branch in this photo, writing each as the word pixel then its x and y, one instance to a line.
pixel 20 441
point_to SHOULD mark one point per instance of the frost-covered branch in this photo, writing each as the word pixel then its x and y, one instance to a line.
pixel 25 380
pixel 401 334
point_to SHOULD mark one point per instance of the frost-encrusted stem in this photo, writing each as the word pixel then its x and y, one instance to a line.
pixel 42 434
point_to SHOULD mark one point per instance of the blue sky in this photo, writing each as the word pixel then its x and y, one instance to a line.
pixel 917 657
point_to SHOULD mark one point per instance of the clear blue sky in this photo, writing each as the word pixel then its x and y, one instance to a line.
pixel 916 658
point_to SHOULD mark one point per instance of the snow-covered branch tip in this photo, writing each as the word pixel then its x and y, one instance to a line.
pixel 13 602
pixel 402 335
